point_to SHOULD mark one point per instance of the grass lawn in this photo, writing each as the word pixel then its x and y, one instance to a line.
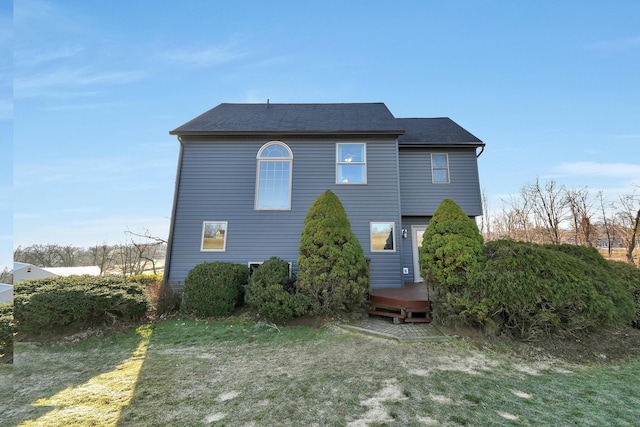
pixel 238 373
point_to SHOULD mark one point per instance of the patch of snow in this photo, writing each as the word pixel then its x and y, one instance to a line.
pixel 507 415
pixel 216 416
pixel 444 400
pixel 227 396
pixel 521 394
pixel 377 412
pixel 428 421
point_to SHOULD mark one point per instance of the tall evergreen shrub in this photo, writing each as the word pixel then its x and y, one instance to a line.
pixel 452 247
pixel 332 269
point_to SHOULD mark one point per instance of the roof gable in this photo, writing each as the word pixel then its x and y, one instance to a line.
pixel 354 118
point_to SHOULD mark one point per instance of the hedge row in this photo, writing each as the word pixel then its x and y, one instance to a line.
pixel 630 276
pixel 45 304
pixel 6 329
pixel 531 290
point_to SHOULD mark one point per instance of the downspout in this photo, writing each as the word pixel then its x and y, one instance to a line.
pixel 481 151
pixel 167 259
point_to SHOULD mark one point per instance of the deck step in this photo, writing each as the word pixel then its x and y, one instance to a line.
pixel 410 304
pixel 386 313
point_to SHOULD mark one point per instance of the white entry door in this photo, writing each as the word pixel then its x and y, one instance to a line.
pixel 416 241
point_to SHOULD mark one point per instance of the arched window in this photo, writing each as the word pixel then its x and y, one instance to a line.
pixel 273 177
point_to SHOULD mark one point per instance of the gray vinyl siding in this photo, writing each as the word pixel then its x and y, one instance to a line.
pixel 421 197
pixel 217 183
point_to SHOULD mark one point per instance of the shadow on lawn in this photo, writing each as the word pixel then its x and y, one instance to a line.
pixel 83 384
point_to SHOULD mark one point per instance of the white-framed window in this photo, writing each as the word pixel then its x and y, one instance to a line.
pixel 273 177
pixel 383 237
pixel 440 168
pixel 214 236
pixel 253 266
pixel 351 163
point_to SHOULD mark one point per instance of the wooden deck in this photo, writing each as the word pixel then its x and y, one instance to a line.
pixel 409 304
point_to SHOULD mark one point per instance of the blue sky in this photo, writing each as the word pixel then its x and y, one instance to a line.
pixel 552 88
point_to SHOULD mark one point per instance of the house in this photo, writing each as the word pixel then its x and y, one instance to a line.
pixel 24 271
pixel 248 174
pixel 6 293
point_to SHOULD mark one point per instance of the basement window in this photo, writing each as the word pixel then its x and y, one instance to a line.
pixel 214 236
pixel 383 238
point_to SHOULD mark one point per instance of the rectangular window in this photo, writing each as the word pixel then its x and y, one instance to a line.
pixel 351 163
pixel 214 236
pixel 383 238
pixel 440 168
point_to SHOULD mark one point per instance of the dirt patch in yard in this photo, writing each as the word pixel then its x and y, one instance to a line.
pixel 600 345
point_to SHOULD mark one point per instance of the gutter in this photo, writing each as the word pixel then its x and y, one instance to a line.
pixel 167 259
pixel 386 132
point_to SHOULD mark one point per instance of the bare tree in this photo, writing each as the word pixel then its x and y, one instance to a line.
pixel 6 276
pixel 39 255
pixel 68 255
pixel 629 221
pixel 149 251
pixel 102 256
pixel 135 257
pixel 581 209
pixel 608 225
pixel 549 207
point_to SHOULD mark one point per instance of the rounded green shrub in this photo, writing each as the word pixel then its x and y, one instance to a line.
pixel 332 270
pixel 44 304
pixel 213 288
pixel 532 290
pixel 451 248
pixel 273 293
pixel 6 330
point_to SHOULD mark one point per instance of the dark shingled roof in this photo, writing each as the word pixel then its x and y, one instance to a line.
pixel 440 130
pixel 245 119
pixel 328 119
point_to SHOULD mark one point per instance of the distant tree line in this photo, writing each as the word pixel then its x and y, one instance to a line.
pixel 552 213
pixel 141 252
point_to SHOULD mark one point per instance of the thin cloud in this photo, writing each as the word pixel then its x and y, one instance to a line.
pixel 30 59
pixel 611 170
pixel 616 45
pixel 203 57
pixel 46 84
pixel 82 107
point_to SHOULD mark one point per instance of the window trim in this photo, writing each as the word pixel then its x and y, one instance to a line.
pixel 224 242
pixel 363 163
pixel 259 161
pixel 393 235
pixel 434 168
